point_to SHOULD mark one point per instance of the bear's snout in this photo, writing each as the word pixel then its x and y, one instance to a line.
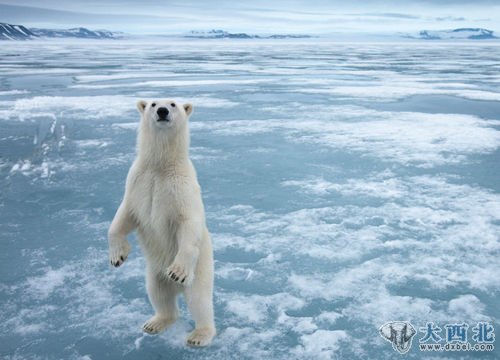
pixel 162 113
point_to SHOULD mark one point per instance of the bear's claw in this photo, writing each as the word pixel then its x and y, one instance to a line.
pixel 179 274
pixel 118 253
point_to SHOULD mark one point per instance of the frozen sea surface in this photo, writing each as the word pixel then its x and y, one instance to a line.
pixel 346 185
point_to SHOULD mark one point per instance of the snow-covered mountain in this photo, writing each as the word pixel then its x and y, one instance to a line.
pixel 220 34
pixel 15 32
pixel 20 32
pixel 456 34
pixel 75 33
pixel 216 34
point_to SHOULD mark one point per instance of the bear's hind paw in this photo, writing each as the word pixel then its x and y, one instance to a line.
pixel 200 337
pixel 157 324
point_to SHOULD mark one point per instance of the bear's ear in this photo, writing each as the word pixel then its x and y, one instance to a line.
pixel 188 108
pixel 141 106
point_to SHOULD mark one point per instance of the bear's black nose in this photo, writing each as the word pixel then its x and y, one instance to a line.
pixel 162 112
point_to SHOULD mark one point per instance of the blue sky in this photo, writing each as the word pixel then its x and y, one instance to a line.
pixel 257 16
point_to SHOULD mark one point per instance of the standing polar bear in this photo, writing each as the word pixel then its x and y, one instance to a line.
pixel 163 203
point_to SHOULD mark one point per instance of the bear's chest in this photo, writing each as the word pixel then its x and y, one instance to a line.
pixel 156 200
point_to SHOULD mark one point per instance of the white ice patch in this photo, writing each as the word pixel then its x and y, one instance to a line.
pixel 32 321
pixel 237 273
pixel 430 220
pixel 328 317
pixel 389 85
pixel 174 83
pixel 322 344
pixel 91 143
pixel 244 340
pixel 126 75
pixel 409 138
pixel 257 308
pixel 87 287
pixel 126 126
pixel 467 307
pixel 87 107
pixel 20 70
pixel 13 92
pixel 390 92
pixel 384 188
pixel 43 170
pixel 201 153
pixel 82 107
pixel 44 285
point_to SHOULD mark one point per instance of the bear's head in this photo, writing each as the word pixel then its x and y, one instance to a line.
pixel 164 115
pixel 163 134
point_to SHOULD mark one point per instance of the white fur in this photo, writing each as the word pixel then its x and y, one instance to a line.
pixel 163 203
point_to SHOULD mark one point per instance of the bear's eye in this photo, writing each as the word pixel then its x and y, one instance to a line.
pixel 173 104
pixel 153 104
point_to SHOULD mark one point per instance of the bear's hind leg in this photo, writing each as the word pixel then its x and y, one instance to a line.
pixel 163 296
pixel 199 301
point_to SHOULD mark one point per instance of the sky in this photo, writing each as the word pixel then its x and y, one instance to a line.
pixel 256 16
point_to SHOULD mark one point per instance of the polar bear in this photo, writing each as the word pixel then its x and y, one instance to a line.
pixel 163 203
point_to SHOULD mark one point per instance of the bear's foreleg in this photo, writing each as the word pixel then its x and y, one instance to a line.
pixel 121 226
pixel 188 239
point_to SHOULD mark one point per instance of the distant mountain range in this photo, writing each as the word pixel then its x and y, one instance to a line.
pixel 15 32
pixel 456 34
pixel 221 34
pixel 20 32
pixel 76 33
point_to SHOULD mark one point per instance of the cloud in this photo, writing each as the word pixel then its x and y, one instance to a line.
pixel 390 15
pixel 450 18
pixel 319 16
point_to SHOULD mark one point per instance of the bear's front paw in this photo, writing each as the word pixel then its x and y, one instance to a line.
pixel 180 274
pixel 118 253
